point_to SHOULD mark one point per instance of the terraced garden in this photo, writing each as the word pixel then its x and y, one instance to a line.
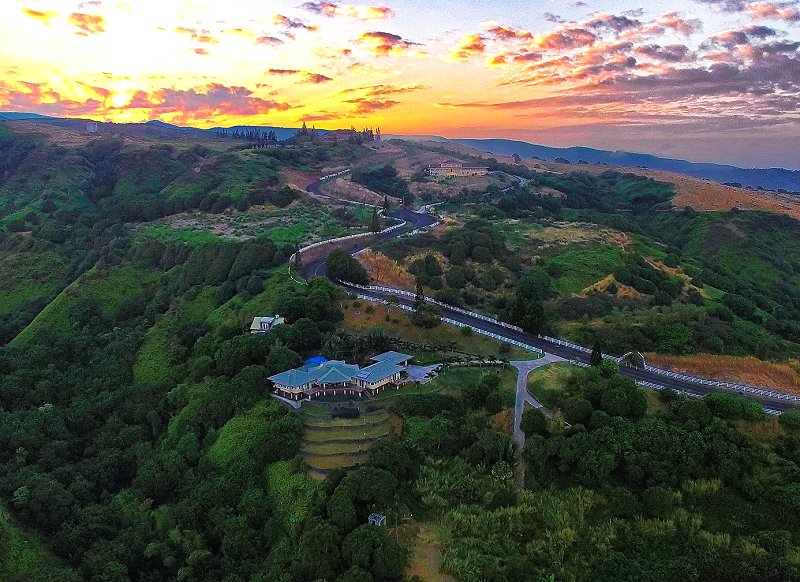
pixel 332 443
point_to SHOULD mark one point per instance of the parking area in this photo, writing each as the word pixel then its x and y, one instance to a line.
pixel 422 374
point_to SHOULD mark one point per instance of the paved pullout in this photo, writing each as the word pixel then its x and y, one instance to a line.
pixel 524 368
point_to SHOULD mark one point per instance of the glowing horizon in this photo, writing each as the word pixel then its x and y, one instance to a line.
pixel 711 80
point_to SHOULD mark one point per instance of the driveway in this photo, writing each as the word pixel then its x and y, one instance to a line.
pixel 524 368
pixel 419 373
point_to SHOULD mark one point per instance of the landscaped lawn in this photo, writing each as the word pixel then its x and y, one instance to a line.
pixel 335 461
pixel 313 434
pixel 326 448
pixel 361 421
pixel 550 378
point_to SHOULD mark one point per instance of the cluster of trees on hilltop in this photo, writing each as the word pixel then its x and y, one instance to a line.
pixel 252 134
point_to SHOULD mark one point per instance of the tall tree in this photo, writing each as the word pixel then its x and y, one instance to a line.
pixel 597 356
pixel 298 262
pixel 375 225
pixel 419 297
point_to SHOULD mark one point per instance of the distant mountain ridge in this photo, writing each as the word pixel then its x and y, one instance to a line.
pixel 768 178
pixel 154 125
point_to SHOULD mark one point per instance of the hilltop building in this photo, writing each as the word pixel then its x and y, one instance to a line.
pixel 336 135
pixel 265 323
pixel 456 169
pixel 324 378
pixel 91 127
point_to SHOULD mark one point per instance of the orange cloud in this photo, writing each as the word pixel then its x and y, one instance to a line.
pixel 383 90
pixel 331 9
pixel 469 47
pixel 43 17
pixel 321 116
pixel 201 36
pixel 269 41
pixel 315 78
pixel 386 44
pixel 676 22
pixel 88 23
pixel 773 11
pixel 26 96
pixel 567 39
pixel 365 106
pixel 209 102
pixel 507 34
pixel 292 23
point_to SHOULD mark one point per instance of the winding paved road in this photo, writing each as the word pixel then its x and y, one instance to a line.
pixel 419 220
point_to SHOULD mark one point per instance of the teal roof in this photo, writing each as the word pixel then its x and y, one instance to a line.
pixel 333 372
pixel 392 357
pixel 377 372
pixel 292 378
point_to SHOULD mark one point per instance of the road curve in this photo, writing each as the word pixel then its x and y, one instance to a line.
pixel 316 268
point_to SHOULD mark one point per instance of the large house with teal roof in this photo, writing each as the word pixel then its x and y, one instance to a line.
pixel 319 377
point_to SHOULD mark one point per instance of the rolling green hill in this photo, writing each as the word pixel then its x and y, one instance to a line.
pixel 140 440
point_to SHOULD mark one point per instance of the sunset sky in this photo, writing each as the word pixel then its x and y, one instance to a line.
pixel 706 80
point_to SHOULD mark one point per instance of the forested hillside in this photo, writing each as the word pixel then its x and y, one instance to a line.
pixel 140 440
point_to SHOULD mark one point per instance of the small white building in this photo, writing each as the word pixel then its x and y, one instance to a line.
pixel 91 127
pixel 265 323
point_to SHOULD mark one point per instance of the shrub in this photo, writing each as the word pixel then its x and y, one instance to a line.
pixel 790 419
pixel 342 266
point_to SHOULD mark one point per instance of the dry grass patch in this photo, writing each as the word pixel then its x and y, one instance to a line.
pixel 702 194
pixel 298 179
pixel 766 430
pixel 426 556
pixel 745 370
pixel 363 317
pixel 571 233
pixel 623 291
pixel 503 421
pixel 385 270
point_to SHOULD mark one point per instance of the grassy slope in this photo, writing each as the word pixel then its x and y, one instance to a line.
pixel 748 370
pixel 49 170
pixel 230 173
pixel 109 287
pixel 361 320
pixel 153 365
pixel 238 432
pixel 552 377
pixel 29 276
pixel 237 310
pixel 290 492
pixel 582 267
pixel 24 557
